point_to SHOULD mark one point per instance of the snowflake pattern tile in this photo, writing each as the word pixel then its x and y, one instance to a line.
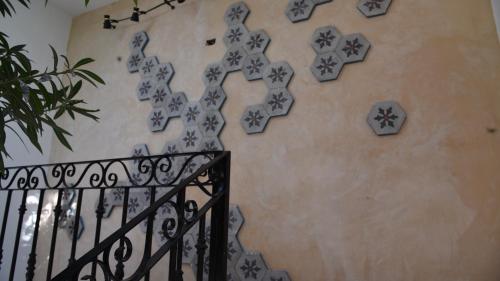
pixel 214 74
pixel 278 75
pixel 233 59
pixel 373 8
pixel 192 113
pixel 191 139
pixel 157 119
pixel 148 66
pixel 327 66
pixel 136 204
pixel 236 13
pixel 145 88
pixel 160 96
pixel 234 250
pixel 299 10
pixel 213 98
pixel 353 48
pixel 175 104
pixel 134 61
pixel 235 220
pixel 276 275
pixel 139 150
pixel 254 119
pixel 257 42
pixel 251 266
pixel 193 164
pixel 139 41
pixel 211 123
pixel 325 39
pixel 278 102
pixel 171 147
pixel 235 35
pixel 211 144
pixel 254 66
pixel 386 118
pixel 164 73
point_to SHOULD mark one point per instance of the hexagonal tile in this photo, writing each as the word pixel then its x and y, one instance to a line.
pixel 139 150
pixel 257 42
pixel 136 204
pixel 192 164
pixel 211 144
pixel 171 147
pixel 167 210
pixel 276 275
pixel 231 274
pixel 251 266
pixel 214 74
pixel 115 196
pixel 254 66
pixel 140 177
pixel 320 2
pixel 191 139
pixel 139 41
pixel 148 66
pixel 157 119
pixel 327 66
pixel 353 48
pixel 145 88
pixel 171 176
pixel 373 8
pixel 325 39
pixel 213 98
pixel 211 123
pixel 134 61
pixel 234 250
pixel 192 113
pixel 278 75
pixel 234 57
pixel 236 13
pixel 160 96
pixel 386 118
pixel 254 119
pixel 299 10
pixel 175 104
pixel 235 220
pixel 164 73
pixel 235 35
pixel 278 102
pixel 189 249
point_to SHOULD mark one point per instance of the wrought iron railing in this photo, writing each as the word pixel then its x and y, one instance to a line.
pixel 174 175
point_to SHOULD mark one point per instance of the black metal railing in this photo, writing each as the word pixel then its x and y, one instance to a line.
pixel 194 185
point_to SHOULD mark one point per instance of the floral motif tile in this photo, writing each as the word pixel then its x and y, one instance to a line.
pixel 213 98
pixel 161 95
pixel 164 73
pixel 175 104
pixel 157 119
pixel 299 10
pixel 325 39
pixel 278 75
pixel 192 113
pixel 254 119
pixel 214 74
pixel 211 144
pixel 353 48
pixel 236 13
pixel 254 66
pixel 251 266
pixel 235 35
pixel 278 102
pixel 257 42
pixel 211 123
pixel 134 61
pixel 234 57
pixel 373 8
pixel 145 88
pixel 139 41
pixel 191 139
pixel 148 66
pixel 386 118
pixel 327 66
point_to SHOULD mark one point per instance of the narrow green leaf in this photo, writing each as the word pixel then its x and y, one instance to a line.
pixel 92 75
pixel 83 62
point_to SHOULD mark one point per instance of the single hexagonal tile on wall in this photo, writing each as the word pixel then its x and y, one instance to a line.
pixel 276 275
pixel 139 150
pixel 148 66
pixel 236 13
pixel 254 119
pixel 116 196
pixel 211 123
pixel 213 98
pixel 325 39
pixel 171 147
pixel 373 8
pixel 139 41
pixel 235 220
pixel 211 144
pixel 234 250
pixel 176 104
pixel 257 42
pixel 278 75
pixel 235 35
pixel 353 48
pixel 327 66
pixel 251 266
pixel 234 57
pixel 191 139
pixel 136 204
pixel 278 102
pixel 214 74
pixel 157 119
pixel 299 10
pixel 164 73
pixel 134 61
pixel 386 118
pixel 145 88
pixel 254 66
pixel 192 113
pixel 160 95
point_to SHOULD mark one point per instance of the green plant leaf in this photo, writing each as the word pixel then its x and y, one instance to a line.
pixel 83 62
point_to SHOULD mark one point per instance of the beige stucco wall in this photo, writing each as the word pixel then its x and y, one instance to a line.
pixel 323 197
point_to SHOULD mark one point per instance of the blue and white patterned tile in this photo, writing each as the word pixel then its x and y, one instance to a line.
pixel 254 119
pixel 327 66
pixel 278 102
pixel 213 98
pixel 192 113
pixel 353 48
pixel 236 13
pixel 134 61
pixel 373 8
pixel 139 41
pixel 157 119
pixel 147 69
pixel 161 95
pixel 257 42
pixel 164 73
pixel 176 103
pixel 214 74
pixel 254 66
pixel 145 88
pixel 386 118
pixel 234 57
pixel 251 266
pixel 236 35
pixel 278 75
pixel 211 123
pixel 299 10
pixel 325 39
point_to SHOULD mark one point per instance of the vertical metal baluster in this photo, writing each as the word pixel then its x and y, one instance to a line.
pixel 57 213
pixel 22 210
pixel 149 231
pixel 201 246
pixel 4 224
pixel 76 226
pixel 181 196
pixel 30 271
pixel 99 214
pixel 119 271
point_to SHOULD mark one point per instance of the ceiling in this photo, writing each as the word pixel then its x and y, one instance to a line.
pixel 77 7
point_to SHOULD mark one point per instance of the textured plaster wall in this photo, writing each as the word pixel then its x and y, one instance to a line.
pixel 323 197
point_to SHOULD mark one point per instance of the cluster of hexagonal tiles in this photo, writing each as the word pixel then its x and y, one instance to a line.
pixel 334 50
pixel 373 8
pixel 246 53
pixel 301 10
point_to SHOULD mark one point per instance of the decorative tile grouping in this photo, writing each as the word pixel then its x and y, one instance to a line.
pixel 373 8
pixel 335 50
pixel 386 118
pixel 301 10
